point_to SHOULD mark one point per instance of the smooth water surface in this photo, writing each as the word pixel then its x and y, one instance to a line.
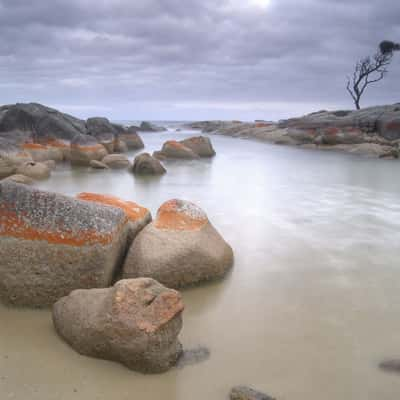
pixel 307 313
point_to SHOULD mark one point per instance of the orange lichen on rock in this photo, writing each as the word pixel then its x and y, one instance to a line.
pixel 57 143
pixel 15 226
pixel 34 146
pixel 174 143
pixel 180 215
pixel 82 148
pixel 161 307
pixel 262 124
pixel 132 210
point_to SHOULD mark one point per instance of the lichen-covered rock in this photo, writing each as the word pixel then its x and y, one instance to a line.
pixel 84 149
pixel 145 164
pixel 138 216
pixel 116 161
pixel 201 145
pixel 174 149
pixel 42 152
pixel 34 170
pixel 120 146
pixel 136 323
pixel 179 248
pixel 246 393
pixel 17 178
pixel 98 165
pixel 333 136
pixel 51 244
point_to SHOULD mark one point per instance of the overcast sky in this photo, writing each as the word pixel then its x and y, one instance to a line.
pixel 192 59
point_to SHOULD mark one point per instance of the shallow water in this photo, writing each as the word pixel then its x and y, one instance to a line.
pixel 309 310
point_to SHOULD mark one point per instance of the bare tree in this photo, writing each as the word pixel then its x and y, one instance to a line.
pixel 370 70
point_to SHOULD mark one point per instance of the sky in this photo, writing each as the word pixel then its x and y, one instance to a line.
pixel 192 59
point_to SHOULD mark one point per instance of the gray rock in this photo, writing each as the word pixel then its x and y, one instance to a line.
pixel 7 166
pixel 132 140
pixel 193 356
pixel 101 129
pixel 145 164
pixel 179 248
pixel 136 323
pixel 51 244
pixel 390 365
pixel 22 179
pixel 148 127
pixel 247 393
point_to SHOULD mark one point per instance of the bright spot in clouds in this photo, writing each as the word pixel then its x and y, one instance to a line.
pixel 249 4
pixel 259 3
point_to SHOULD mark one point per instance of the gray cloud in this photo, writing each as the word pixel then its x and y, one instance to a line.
pixel 194 59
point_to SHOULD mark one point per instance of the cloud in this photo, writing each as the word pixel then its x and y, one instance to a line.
pixel 133 60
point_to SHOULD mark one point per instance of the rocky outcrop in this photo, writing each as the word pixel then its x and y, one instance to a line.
pixel 101 129
pixel 84 149
pixel 39 123
pixel 44 152
pixel 116 161
pixel 246 393
pixel 136 323
pixel 145 164
pixel 148 127
pixel 51 244
pixel 200 145
pixel 138 217
pixel 174 149
pixel 180 248
pixel 34 170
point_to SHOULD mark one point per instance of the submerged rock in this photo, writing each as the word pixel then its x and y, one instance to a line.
pixel 136 323
pixel 116 161
pixel 193 356
pixel 201 145
pixel 390 365
pixel 174 149
pixel 51 244
pixel 98 165
pixel 145 164
pixel 246 393
pixel 180 248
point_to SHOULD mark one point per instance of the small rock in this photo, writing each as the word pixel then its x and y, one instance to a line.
pixel 193 356
pixel 246 393
pixel 34 170
pixel 390 366
pixel 116 161
pixel 145 164
pixel 98 165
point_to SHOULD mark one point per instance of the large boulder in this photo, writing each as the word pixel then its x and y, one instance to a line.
pixel 201 145
pixel 34 170
pixel 174 149
pixel 138 216
pixel 136 323
pixel 100 128
pixel 145 164
pixel 51 244
pixel 40 122
pixel 179 248
pixel 85 148
pixel 116 161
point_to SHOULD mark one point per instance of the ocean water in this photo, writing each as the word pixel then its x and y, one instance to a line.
pixel 309 310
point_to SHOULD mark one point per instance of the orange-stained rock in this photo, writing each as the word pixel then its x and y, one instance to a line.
pixel 51 244
pixel 84 148
pixel 180 215
pixel 180 248
pixel 174 149
pixel 44 152
pixel 263 124
pixel 136 323
pixel 200 145
pixel 137 215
